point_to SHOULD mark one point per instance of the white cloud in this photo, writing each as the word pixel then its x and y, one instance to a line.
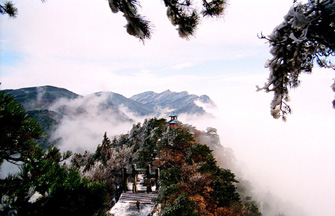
pixel 86 123
pixel 182 66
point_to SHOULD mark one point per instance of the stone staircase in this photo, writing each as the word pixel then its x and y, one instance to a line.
pixel 143 198
pixel 127 203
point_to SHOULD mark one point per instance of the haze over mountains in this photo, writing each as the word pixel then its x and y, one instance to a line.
pixel 146 103
pixel 71 118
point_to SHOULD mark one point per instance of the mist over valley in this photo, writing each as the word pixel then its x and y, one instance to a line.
pixel 77 123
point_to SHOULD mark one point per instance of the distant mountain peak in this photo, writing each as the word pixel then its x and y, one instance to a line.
pixel 181 102
pixel 41 97
pixel 143 104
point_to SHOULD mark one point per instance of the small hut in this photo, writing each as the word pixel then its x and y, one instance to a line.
pixel 174 122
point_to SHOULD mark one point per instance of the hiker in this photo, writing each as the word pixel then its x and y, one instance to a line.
pixel 138 205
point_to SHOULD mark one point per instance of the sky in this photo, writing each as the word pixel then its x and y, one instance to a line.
pixel 83 47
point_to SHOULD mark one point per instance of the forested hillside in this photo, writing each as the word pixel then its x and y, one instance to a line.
pixel 191 182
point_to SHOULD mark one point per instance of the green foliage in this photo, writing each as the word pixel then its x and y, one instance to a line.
pixel 43 169
pixel 177 139
pixel 145 139
pixel 102 152
pixel 252 207
pixel 183 137
pixel 181 206
pixel 170 176
pixel 225 193
pixel 59 191
pixel 76 196
pixel 146 153
pixel 166 192
pixel 44 118
pixel 43 186
pixel 123 140
pixel 198 152
pixel 48 120
pixel 18 132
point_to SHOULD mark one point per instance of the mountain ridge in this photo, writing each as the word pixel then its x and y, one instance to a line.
pixel 145 103
pixel 180 102
pixel 51 105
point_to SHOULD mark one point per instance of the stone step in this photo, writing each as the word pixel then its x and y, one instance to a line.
pixel 144 198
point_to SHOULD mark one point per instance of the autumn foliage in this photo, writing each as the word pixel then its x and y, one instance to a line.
pixel 192 183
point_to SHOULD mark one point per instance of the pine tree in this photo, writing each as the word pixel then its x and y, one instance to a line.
pixel 181 13
pixel 9 9
pixel 18 132
pixel 306 36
